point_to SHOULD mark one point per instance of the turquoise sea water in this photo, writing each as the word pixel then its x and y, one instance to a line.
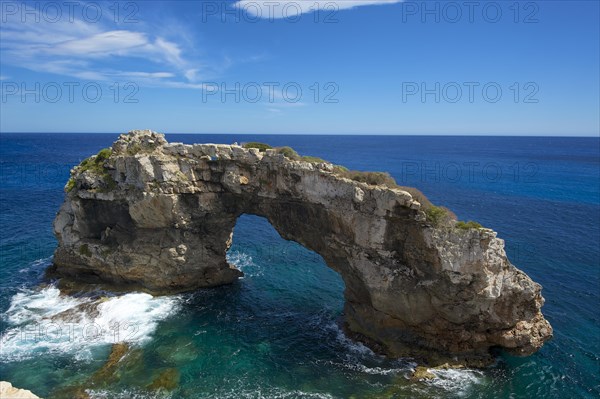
pixel 275 333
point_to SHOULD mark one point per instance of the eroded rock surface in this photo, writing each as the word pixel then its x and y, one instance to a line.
pixel 159 216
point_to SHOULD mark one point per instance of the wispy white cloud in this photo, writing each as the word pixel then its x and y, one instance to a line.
pixel 104 44
pixel 98 51
pixel 269 9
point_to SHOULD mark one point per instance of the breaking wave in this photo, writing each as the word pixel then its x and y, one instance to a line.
pixel 45 320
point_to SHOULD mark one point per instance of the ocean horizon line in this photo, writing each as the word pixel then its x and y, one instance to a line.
pixel 335 134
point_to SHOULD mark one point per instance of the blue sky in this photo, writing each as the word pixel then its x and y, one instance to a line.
pixel 301 67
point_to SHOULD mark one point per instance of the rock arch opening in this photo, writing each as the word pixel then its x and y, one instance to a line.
pixel 285 270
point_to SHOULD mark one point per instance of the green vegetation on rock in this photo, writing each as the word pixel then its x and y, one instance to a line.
pixel 438 215
pixel 310 159
pixel 289 152
pixel 85 250
pixel 95 165
pixel 373 178
pixel 262 147
pixel 339 169
pixel 468 225
pixel 103 155
pixel 435 214
pixel 70 185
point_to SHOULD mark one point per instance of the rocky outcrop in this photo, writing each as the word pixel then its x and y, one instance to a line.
pixel 159 216
pixel 7 391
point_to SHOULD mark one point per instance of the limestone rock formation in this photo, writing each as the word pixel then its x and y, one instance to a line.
pixel 7 391
pixel 159 216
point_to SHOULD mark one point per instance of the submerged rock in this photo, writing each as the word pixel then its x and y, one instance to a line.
pixel 106 374
pixel 422 373
pixel 167 379
pixel 159 217
pixel 71 392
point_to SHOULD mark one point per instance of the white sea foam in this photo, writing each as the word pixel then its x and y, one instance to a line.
pixel 245 263
pixel 458 381
pixel 235 393
pixel 127 394
pixel 267 393
pixel 361 359
pixel 44 320
pixel 37 265
pixel 354 347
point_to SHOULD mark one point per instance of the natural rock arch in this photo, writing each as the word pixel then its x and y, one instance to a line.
pixel 160 216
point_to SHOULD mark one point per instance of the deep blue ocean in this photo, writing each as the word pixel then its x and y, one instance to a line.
pixel 275 334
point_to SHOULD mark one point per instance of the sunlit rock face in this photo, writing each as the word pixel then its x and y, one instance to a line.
pixel 9 392
pixel 159 216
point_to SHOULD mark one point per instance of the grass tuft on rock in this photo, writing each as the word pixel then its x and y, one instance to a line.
pixel 339 169
pixel 436 215
pixel 95 165
pixel 103 155
pixel 70 185
pixel 468 225
pixel 85 251
pixel 439 215
pixel 372 178
pixel 288 152
pixel 262 147
pixel 310 159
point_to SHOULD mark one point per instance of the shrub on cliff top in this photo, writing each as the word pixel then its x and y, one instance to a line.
pixel 103 155
pixel 385 179
pixel 289 152
pixel 262 147
pixel 436 215
pixel 439 215
pixel 339 169
pixel 418 196
pixel 468 225
pixel 373 178
pixel 310 159
pixel 70 185
pixel 95 165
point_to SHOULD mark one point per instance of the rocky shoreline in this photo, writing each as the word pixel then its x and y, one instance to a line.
pixel 158 216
